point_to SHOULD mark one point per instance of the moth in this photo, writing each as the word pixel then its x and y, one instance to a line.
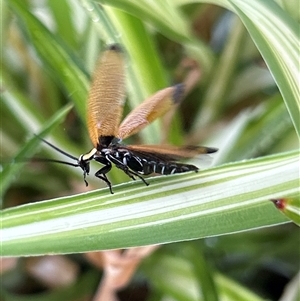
pixel 104 111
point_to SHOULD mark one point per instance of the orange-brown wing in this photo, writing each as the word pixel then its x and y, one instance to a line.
pixel 169 152
pixel 107 95
pixel 152 108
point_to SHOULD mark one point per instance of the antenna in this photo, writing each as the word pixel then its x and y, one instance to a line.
pixel 54 161
pixel 57 149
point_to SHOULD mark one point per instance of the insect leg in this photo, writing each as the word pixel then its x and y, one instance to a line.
pixel 119 164
pixel 131 173
pixel 101 173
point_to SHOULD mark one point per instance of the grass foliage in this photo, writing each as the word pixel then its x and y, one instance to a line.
pixel 246 103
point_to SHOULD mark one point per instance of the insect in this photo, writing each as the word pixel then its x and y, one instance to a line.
pixel 105 107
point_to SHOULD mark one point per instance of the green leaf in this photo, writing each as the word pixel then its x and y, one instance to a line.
pixel 223 200
pixel 276 36
pixel 226 199
pixel 62 13
pixel 11 170
pixel 67 70
pixel 168 20
pixel 162 13
pixel 222 77
pixel 255 132
pixel 174 276
pixel 234 291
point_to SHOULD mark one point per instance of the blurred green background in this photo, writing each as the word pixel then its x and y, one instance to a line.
pixel 48 51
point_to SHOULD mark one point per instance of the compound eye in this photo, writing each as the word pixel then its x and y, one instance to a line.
pixel 84 164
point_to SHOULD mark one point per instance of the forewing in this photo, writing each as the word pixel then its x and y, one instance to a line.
pixel 107 95
pixel 152 108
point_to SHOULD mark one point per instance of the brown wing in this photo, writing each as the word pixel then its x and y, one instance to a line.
pixel 107 95
pixel 171 153
pixel 152 108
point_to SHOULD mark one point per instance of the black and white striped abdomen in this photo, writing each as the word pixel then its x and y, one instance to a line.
pixel 167 168
pixel 145 165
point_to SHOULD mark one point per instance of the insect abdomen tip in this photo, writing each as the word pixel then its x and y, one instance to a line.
pixel 211 150
pixel 178 92
pixel 115 47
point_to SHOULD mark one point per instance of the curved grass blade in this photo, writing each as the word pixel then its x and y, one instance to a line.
pixel 223 200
